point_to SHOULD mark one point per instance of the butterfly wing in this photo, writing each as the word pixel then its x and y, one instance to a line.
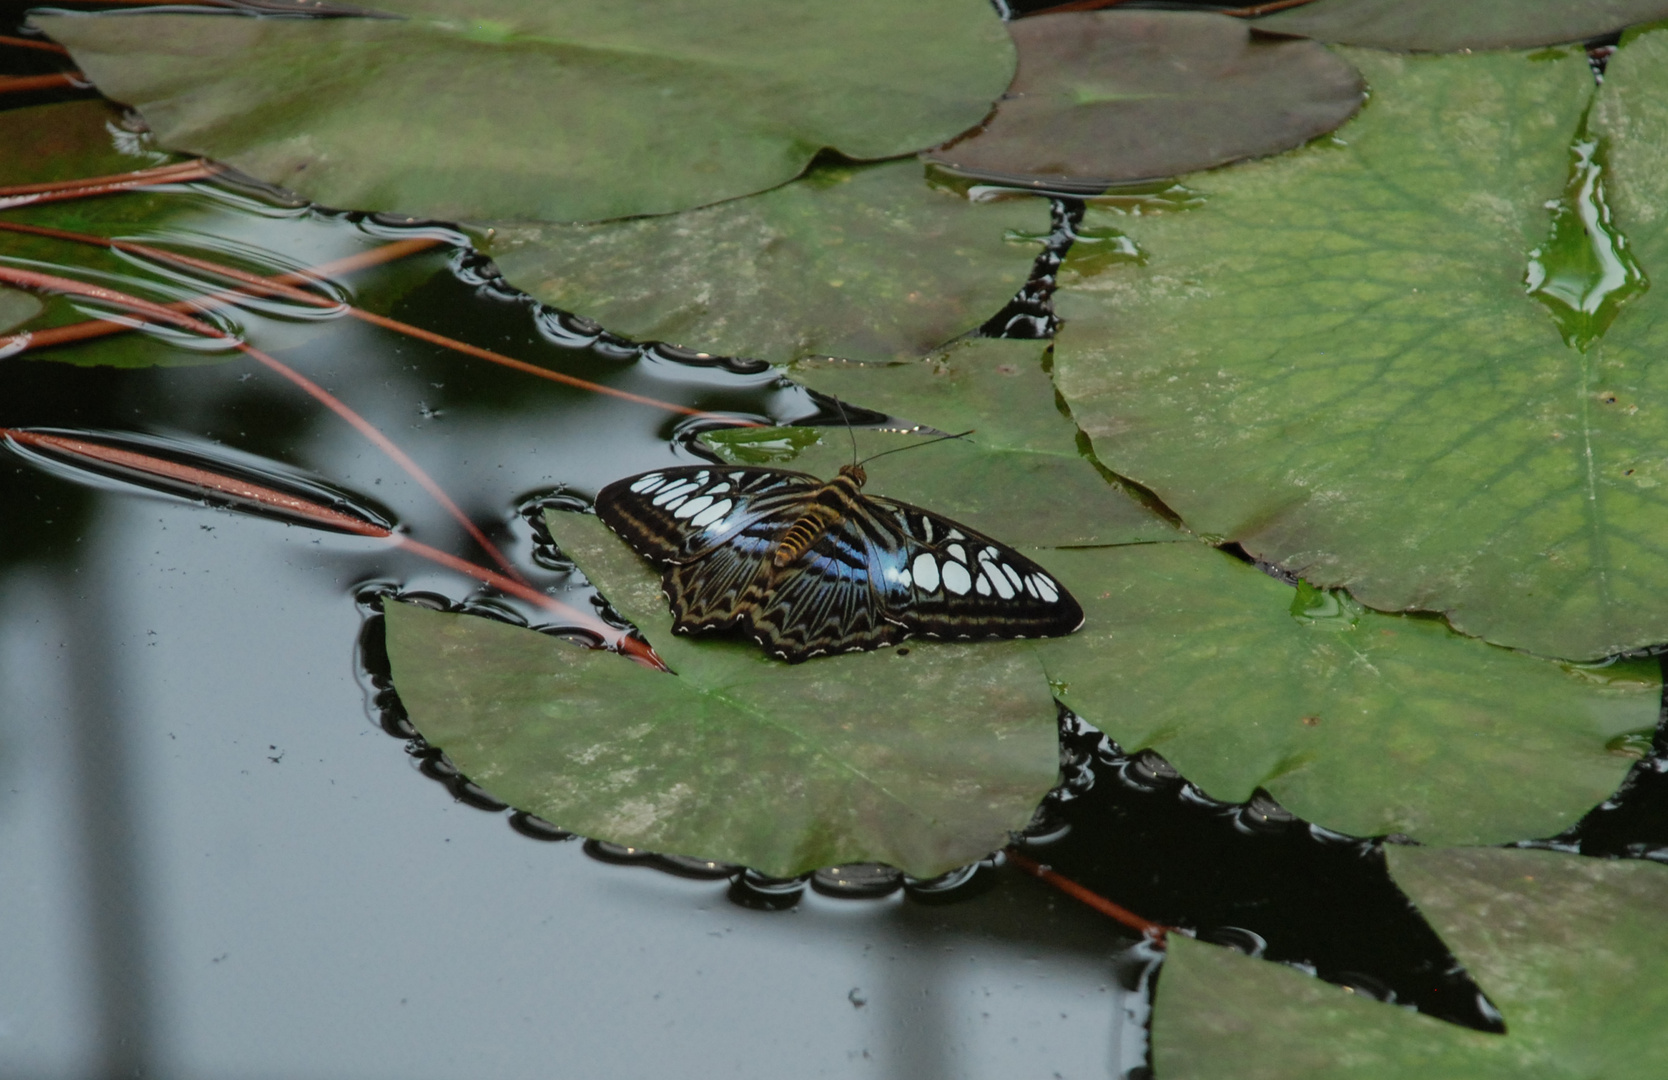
pixel 946 580
pixel 883 571
pixel 678 514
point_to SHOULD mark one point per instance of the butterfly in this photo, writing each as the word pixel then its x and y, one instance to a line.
pixel 809 567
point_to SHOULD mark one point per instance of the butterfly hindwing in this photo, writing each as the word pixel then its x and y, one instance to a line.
pixel 963 584
pixel 876 572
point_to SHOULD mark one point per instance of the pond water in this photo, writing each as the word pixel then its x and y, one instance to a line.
pixel 218 863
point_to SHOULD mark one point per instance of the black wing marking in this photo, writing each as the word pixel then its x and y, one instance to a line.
pixel 679 514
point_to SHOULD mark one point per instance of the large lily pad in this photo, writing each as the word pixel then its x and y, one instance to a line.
pixel 1334 362
pixel 559 110
pixel 866 263
pixel 1020 476
pixel 1104 97
pixel 1440 26
pixel 1361 722
pixel 1569 949
pixel 924 757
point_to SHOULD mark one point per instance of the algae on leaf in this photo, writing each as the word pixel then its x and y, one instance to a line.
pixel 1568 948
pixel 1107 97
pixel 924 756
pixel 559 110
pixel 16 308
pixel 1444 26
pixel 1334 361
pixel 861 262
pixel 1361 722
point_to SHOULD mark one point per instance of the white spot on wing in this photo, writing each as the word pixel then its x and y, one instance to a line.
pixel 1003 589
pixel 955 534
pixel 982 585
pixel 694 506
pixel 711 514
pixel 1047 589
pixel 1013 575
pixel 956 578
pixel 676 491
pixel 926 573
pixel 645 483
pixel 957 552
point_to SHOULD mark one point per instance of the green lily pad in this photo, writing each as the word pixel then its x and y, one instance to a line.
pixel 558 110
pixel 69 141
pixel 923 757
pixel 1107 97
pixel 1358 721
pixel 1438 26
pixel 1569 949
pixel 1020 476
pixel 1335 361
pixel 862 262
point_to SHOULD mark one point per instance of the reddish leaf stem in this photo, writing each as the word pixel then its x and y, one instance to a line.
pixel 52 283
pixel 32 194
pixel 1264 9
pixel 281 287
pixel 1156 931
pixel 19 84
pixel 30 43
pixel 319 514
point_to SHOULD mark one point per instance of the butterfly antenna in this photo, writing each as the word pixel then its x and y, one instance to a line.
pixel 838 404
pixel 917 446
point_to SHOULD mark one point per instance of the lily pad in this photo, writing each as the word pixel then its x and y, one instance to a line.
pixel 558 110
pixel 1362 722
pixel 69 141
pixel 1439 26
pixel 1107 97
pixel 1570 950
pixel 923 757
pixel 1020 476
pixel 862 262
pixel 1334 361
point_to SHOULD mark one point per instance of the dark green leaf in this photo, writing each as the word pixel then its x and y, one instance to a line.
pixel 1444 26
pixel 1570 949
pixel 924 757
pixel 559 110
pixel 1335 362
pixel 1020 477
pixel 866 263
pixel 1106 97
pixel 1361 722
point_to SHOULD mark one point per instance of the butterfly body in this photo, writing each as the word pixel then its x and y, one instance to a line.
pixel 809 567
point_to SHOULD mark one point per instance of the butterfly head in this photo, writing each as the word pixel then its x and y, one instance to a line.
pixel 858 476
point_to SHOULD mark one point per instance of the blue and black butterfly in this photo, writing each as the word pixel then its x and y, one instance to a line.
pixel 808 567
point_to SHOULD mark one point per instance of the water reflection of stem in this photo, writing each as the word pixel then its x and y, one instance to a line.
pixel 295 506
pixel 285 287
pixel 1153 930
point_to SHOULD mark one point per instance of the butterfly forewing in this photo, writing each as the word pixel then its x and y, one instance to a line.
pixel 880 572
pixel 674 515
